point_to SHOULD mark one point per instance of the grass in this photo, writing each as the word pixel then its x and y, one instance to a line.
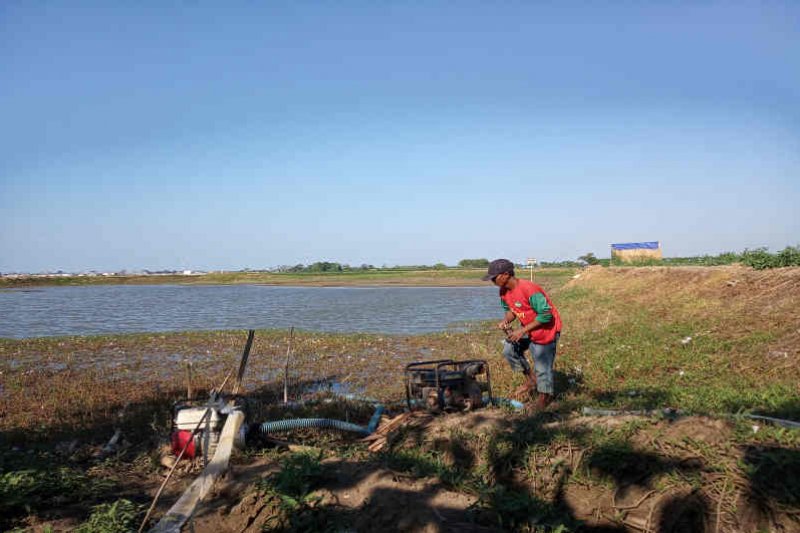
pixel 36 481
pixel 688 346
pixel 296 505
pixel 299 474
pixel 121 516
pixel 422 463
pixel 514 510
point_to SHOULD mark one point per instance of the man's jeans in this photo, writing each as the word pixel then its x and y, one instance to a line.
pixel 543 357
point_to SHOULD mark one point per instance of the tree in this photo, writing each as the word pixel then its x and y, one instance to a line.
pixel 473 263
pixel 324 266
pixel 589 259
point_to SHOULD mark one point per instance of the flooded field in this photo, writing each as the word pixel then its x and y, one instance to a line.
pixel 91 310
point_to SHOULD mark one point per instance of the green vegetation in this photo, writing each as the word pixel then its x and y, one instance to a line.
pixel 34 481
pixel 30 489
pixel 324 266
pixel 122 516
pixel 589 259
pixel 299 475
pixel 759 259
pixel 515 510
pixel 295 506
pixel 473 263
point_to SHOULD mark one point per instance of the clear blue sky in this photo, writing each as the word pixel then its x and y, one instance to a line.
pixel 248 135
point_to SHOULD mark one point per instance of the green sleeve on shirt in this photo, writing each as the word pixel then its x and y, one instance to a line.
pixel 505 305
pixel 539 304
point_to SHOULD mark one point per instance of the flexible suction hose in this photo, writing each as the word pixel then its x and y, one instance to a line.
pixel 375 420
pixel 324 423
pixel 300 423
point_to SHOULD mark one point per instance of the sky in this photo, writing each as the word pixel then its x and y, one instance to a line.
pixel 232 135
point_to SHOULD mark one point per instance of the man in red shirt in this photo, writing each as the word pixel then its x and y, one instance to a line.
pixel 540 328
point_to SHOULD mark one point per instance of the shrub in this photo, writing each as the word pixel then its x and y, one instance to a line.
pixel 118 517
pixel 759 259
pixel 789 256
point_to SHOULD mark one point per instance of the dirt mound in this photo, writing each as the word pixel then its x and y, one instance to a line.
pixel 700 429
pixel 777 284
pixel 388 501
pixel 735 300
pixel 480 421
pixel 369 497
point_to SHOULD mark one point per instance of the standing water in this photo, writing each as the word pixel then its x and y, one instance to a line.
pixel 102 309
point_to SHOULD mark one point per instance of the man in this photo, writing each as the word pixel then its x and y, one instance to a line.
pixel 540 328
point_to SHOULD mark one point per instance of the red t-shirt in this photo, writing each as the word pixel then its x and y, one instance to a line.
pixel 518 301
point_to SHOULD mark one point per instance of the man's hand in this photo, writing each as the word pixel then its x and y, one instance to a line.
pixel 517 334
pixel 505 326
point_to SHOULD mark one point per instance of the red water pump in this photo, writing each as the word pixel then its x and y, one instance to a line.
pixel 184 424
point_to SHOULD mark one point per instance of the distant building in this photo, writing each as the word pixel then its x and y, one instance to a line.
pixel 629 252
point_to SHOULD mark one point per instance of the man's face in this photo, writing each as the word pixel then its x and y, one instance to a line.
pixel 501 279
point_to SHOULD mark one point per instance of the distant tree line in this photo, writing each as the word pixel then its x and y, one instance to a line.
pixel 331 266
pixel 324 266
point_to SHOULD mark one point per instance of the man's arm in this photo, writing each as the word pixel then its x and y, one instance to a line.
pixel 544 315
pixel 508 317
